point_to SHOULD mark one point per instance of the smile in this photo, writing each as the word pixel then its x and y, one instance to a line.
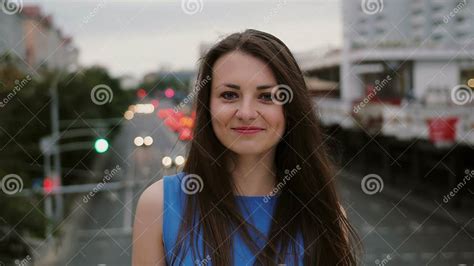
pixel 248 130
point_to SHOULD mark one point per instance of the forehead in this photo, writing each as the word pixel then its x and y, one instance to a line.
pixel 242 68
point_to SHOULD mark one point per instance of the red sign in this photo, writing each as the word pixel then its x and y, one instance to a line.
pixel 442 129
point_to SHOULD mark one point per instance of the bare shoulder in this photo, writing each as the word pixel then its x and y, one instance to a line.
pixel 148 248
pixel 152 195
pixel 150 205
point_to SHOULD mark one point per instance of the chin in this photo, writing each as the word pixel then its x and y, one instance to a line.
pixel 247 149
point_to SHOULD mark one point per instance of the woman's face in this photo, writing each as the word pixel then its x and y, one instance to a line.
pixel 241 98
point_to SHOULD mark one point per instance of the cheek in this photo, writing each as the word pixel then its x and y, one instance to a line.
pixel 280 127
pixel 276 119
pixel 220 114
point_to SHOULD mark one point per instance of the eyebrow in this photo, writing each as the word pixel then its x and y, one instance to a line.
pixel 237 87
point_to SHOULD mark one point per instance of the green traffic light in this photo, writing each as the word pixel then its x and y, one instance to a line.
pixel 101 145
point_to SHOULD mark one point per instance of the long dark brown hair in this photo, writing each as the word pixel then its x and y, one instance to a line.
pixel 307 204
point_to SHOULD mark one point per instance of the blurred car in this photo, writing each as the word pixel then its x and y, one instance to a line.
pixel 185 134
pixel 178 122
pixel 143 141
pixel 168 162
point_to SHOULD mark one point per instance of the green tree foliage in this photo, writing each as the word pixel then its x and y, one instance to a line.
pixel 25 118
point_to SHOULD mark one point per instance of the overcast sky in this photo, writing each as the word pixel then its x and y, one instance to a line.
pixel 136 37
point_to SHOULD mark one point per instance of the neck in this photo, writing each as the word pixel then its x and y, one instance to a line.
pixel 254 174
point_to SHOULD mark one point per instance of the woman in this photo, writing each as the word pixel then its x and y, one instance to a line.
pixel 258 185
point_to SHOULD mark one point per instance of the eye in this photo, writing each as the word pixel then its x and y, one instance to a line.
pixel 267 96
pixel 228 95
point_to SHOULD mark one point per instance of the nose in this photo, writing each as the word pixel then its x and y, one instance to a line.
pixel 247 111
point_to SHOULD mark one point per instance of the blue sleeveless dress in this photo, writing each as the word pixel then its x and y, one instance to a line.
pixel 255 209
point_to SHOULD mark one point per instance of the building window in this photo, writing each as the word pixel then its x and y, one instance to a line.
pixel 437 22
pixel 460 19
pixel 437 37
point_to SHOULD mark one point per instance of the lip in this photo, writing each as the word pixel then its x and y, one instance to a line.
pixel 247 130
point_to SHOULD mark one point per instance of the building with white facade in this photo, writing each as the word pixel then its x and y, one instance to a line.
pixel 425 44
pixel 399 64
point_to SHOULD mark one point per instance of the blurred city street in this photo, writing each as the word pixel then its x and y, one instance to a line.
pixel 102 235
